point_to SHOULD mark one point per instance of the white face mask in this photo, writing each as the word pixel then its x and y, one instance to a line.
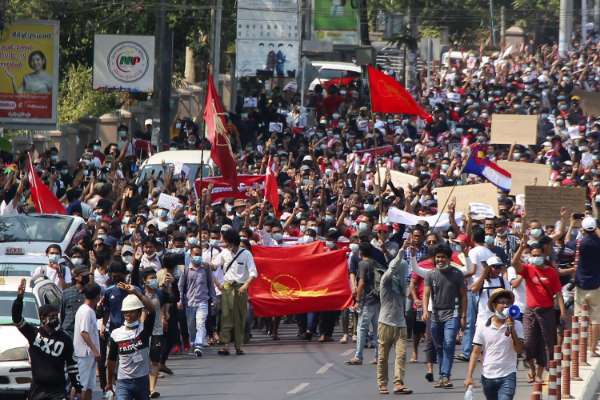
pixel 53 258
pixel 77 261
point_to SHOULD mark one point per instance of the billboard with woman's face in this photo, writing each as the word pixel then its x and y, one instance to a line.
pixel 29 74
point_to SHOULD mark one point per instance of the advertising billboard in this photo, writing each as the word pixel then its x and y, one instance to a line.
pixel 268 37
pixel 29 75
pixel 335 21
pixel 124 63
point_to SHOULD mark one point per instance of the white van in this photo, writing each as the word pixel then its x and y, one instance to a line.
pixel 186 161
pixel 332 70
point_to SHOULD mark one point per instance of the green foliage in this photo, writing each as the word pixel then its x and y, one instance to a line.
pixel 77 99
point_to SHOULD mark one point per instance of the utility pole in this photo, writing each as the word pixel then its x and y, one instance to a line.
pixel 502 25
pixel 411 64
pixel 166 54
pixel 216 43
pixel 563 37
pixel 492 23
pixel 363 18
pixel 307 21
pixel 584 11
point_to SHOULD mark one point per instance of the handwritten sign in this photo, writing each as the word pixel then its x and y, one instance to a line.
pixel 543 203
pixel 168 202
pixel 514 129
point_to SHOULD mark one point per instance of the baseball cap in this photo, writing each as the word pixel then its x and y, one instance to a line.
pixel 588 224
pixel 494 262
pixel 148 121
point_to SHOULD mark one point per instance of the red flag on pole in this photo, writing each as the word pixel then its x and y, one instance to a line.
pixel 44 200
pixel 309 283
pixel 217 134
pixel 390 97
pixel 271 192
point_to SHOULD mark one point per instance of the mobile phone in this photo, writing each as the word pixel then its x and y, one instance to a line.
pixel 578 216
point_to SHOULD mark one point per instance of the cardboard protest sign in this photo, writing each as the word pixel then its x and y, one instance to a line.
pixel 525 174
pixel 544 203
pixel 590 102
pixel 168 202
pixel 399 179
pixel 484 193
pixel 275 127
pixel 513 128
pixel 250 102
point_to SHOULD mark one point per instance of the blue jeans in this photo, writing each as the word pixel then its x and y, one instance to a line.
pixel 369 315
pixel 196 323
pixel 472 306
pixel 133 389
pixel 443 335
pixel 499 388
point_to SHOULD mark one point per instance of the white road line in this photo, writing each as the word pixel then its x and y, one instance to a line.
pixel 299 388
pixel 347 352
pixel 324 368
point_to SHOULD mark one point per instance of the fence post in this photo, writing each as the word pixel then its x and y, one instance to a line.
pixel 585 322
pixel 575 350
pixel 557 359
pixel 552 393
pixel 566 369
pixel 537 391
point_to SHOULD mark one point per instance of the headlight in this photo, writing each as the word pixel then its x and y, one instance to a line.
pixel 16 354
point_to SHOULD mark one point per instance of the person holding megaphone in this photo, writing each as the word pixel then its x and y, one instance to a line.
pixel 500 340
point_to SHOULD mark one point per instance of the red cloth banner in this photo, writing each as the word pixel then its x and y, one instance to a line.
pixel 283 252
pixel 222 189
pixel 296 285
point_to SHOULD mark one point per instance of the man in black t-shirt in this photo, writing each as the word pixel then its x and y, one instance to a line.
pixel 50 349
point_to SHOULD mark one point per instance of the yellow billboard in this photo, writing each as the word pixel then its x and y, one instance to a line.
pixel 29 74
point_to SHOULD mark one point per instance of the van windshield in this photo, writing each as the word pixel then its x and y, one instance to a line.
pixel 192 171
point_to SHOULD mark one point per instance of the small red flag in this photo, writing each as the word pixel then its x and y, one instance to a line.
pixel 390 97
pixel 271 192
pixel 44 200
pixel 220 146
pixel 286 286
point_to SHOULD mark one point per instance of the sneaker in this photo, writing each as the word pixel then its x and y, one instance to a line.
pixel 198 352
pixel 154 395
pixel 186 347
pixel 165 369
pixel 344 339
pixel 353 338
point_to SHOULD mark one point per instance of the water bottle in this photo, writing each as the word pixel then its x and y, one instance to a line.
pixel 469 393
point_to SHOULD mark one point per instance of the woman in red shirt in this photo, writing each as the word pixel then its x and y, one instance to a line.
pixel 539 321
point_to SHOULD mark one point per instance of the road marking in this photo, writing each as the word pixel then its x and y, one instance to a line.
pixel 324 368
pixel 299 388
pixel 348 352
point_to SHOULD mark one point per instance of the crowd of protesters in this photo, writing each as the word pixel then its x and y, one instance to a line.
pixel 190 268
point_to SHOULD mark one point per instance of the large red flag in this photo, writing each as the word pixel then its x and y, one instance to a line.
pixel 220 146
pixel 271 189
pixel 44 200
pixel 298 250
pixel 298 285
pixel 390 97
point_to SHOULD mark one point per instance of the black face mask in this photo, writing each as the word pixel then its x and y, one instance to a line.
pixel 51 324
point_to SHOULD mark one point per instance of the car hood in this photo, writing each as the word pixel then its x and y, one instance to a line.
pixel 11 338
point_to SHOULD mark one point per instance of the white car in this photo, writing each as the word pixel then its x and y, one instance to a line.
pixel 15 369
pixel 22 266
pixel 186 161
pixel 31 234
pixel 333 70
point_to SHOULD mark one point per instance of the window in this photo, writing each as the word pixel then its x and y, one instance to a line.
pixel 30 310
pixel 38 228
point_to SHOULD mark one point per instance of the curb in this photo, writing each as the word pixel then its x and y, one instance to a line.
pixel 586 388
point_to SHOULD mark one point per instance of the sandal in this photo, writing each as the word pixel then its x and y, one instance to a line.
pixel 429 377
pixel 354 361
pixel 239 352
pixel 223 352
pixel 383 390
pixel 530 377
pixel 398 389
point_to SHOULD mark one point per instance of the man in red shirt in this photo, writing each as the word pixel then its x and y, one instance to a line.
pixel 539 321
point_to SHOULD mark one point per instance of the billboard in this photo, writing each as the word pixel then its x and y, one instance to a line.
pixel 124 62
pixel 335 21
pixel 268 37
pixel 29 74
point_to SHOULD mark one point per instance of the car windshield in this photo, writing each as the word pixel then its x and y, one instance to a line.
pixel 335 73
pixel 158 171
pixel 30 312
pixel 30 228
pixel 17 269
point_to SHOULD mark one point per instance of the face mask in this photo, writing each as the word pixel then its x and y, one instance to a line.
pixel 443 267
pixel 52 323
pixel 151 255
pixel 537 261
pixel 353 248
pixel 329 244
pixel 102 236
pixel 77 261
pixel 404 165
pixel 152 284
pixel 177 250
pixel 53 258
pixel 132 325
pixel 192 240
pixel 457 248
pixel 278 237
pixel 197 260
pixel 131 230
pixel 54 158
pixel 328 218
pixel 445 167
pixel 129 267
pixel 127 259
pixel 308 239
pixel 502 314
pixel 64 172
pixel 213 242
pixel 363 226
pixel 489 240
pixel 163 213
pixel 536 233
pixel 125 220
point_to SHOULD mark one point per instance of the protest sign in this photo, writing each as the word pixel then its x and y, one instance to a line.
pixel 399 179
pixel 484 193
pixel 590 102
pixel 168 202
pixel 222 190
pixel 512 128
pixel 250 102
pixel 525 174
pixel 275 127
pixel 543 203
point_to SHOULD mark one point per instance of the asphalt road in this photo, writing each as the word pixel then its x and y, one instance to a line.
pixel 296 369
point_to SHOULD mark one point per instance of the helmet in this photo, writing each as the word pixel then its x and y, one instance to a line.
pixel 131 303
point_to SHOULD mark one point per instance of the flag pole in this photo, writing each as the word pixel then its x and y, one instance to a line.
pixel 201 196
pixel 462 168
pixel 31 171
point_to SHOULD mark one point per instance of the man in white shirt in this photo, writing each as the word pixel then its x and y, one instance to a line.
pixel 86 342
pixel 478 256
pixel 500 340
pixel 57 273
pixel 491 279
pixel 239 269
